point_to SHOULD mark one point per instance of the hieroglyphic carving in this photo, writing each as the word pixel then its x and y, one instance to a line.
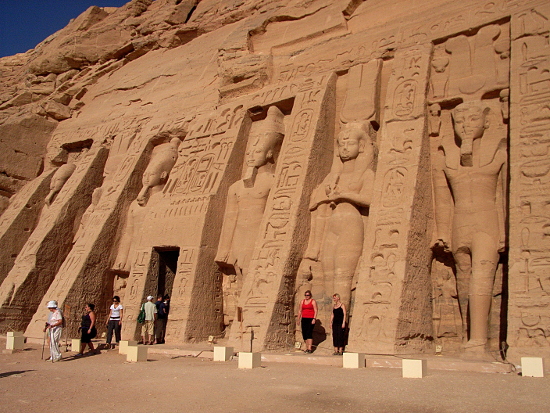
pixel 383 268
pixel 529 283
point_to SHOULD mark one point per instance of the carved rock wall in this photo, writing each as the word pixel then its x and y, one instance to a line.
pixel 114 86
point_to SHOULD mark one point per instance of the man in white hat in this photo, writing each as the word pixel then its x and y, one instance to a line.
pixel 55 328
pixel 148 327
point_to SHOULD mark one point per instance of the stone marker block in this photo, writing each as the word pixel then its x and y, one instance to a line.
pixel 75 344
pixel 249 360
pixel 532 367
pixel 15 341
pixel 415 369
pixel 136 353
pixel 353 360
pixel 124 344
pixel 222 353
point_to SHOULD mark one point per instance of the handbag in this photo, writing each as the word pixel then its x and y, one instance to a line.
pixel 141 316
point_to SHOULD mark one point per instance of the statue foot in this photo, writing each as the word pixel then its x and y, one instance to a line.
pixel 477 350
pixel 475 345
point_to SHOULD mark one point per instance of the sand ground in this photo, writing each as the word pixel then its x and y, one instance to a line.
pixel 172 383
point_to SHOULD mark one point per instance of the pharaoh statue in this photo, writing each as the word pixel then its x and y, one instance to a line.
pixel 60 177
pixel 246 201
pixel 154 178
pixel 469 173
pixel 337 227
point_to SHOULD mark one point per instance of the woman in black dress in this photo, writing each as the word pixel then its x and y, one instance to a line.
pixel 88 330
pixel 338 322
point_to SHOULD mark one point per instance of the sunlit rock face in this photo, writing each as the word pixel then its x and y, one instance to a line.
pixel 234 154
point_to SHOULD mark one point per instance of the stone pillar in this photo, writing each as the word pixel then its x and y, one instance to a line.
pixel 20 218
pixel 44 252
pixel 392 309
pixel 529 239
pixel 267 297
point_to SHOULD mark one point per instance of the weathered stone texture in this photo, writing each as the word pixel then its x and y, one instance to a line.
pixel 401 124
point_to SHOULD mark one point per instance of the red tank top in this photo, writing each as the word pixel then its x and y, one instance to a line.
pixel 307 309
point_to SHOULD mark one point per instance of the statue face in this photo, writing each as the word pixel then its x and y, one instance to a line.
pixel 258 154
pixel 470 123
pixel 152 177
pixel 350 144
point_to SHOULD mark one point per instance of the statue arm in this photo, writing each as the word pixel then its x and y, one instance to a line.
pixel 319 194
pixel 502 191
pixel 443 201
pixel 228 228
pixel 121 261
pixel 362 198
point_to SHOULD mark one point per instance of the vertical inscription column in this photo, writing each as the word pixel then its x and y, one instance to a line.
pixel 266 299
pixel 393 283
pixel 529 262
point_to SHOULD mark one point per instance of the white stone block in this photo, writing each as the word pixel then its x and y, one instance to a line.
pixel 250 360
pixel 222 353
pixel 353 360
pixel 124 344
pixel 414 369
pixel 136 353
pixel 15 341
pixel 532 367
pixel 75 345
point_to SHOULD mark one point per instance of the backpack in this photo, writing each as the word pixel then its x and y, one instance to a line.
pixel 141 316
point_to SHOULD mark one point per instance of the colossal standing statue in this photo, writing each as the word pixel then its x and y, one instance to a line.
pixel 336 224
pixel 469 172
pixel 154 178
pixel 246 201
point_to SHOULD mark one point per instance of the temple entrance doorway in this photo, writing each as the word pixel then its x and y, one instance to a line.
pixel 162 272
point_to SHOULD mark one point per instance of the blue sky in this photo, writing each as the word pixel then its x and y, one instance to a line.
pixel 25 23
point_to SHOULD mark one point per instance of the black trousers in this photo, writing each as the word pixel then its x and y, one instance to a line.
pixel 113 325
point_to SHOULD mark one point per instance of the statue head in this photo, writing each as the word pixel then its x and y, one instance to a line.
pixel 159 168
pixel 470 120
pixel 263 145
pixel 352 141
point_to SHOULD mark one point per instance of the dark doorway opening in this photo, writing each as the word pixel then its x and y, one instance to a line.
pixel 167 259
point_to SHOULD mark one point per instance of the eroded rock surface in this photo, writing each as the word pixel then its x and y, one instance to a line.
pixel 234 154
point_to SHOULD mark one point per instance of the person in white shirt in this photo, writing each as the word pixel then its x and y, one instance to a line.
pixel 114 322
pixel 55 328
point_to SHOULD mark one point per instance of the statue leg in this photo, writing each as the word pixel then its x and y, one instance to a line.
pixel 463 262
pixel 484 265
pixel 318 223
pixel 346 258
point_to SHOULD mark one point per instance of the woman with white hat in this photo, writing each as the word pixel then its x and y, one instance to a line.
pixel 55 328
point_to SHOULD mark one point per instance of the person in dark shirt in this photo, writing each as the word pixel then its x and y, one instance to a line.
pixel 162 318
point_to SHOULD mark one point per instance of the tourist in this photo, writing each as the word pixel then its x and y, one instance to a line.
pixel 114 322
pixel 306 316
pixel 160 322
pixel 338 323
pixel 55 328
pixel 148 327
pixel 87 330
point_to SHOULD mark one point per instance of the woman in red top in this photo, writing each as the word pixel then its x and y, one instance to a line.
pixel 307 316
